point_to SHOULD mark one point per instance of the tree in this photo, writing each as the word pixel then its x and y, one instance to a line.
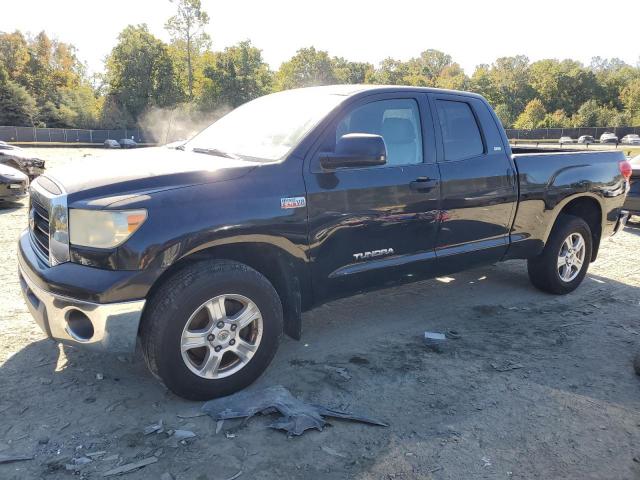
pixel 557 119
pixel 390 72
pixel 17 107
pixel 351 72
pixel 562 85
pixel 308 67
pixel 505 82
pixel 532 116
pixel 186 30
pixel 140 74
pixel 14 54
pixel 233 77
pixel 505 115
pixel 630 98
pixel 428 67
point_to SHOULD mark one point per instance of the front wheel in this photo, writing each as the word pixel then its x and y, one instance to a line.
pixel 211 329
pixel 564 262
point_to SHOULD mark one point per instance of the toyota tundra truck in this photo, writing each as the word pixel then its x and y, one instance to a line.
pixel 206 253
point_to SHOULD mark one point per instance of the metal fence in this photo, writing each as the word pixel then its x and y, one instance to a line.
pixel 69 135
pixel 556 133
pixel 74 135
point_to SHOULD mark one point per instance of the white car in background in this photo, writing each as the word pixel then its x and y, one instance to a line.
pixel 565 140
pixel 608 137
pixel 631 139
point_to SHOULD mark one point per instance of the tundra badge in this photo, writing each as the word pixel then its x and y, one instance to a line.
pixel 373 253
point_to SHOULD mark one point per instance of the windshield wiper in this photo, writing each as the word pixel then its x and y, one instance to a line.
pixel 216 152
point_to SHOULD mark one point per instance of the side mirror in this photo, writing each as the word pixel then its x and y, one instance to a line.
pixel 356 150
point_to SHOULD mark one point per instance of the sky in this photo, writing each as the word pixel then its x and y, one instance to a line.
pixel 472 32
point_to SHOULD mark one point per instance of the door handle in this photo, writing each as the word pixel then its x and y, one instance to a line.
pixel 423 184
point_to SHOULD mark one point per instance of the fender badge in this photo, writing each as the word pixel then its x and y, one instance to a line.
pixel 293 202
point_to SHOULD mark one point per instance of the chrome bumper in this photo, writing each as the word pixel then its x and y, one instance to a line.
pixel 622 221
pixel 106 327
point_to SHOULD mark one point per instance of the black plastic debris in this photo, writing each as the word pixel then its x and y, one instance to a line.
pixel 296 416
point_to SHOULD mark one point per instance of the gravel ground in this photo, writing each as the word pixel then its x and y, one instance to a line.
pixel 537 387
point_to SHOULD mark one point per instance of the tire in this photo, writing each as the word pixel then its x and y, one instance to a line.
pixel 544 270
pixel 182 301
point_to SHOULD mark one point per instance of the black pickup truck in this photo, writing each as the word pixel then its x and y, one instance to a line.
pixel 206 253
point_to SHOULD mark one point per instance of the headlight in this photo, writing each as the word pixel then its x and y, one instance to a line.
pixel 103 229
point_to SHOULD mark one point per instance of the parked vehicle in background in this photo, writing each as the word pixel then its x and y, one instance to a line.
pixel 208 252
pixel 565 140
pixel 632 203
pixel 110 143
pixel 586 139
pixel 127 143
pixel 631 139
pixel 608 137
pixel 21 159
pixel 13 184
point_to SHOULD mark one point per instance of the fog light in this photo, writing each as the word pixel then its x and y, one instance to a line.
pixel 79 326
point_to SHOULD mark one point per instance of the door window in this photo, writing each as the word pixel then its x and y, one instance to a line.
pixel 460 132
pixel 397 121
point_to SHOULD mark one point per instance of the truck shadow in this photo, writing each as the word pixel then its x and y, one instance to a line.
pixel 11 206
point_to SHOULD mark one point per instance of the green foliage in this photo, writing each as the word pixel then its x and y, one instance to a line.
pixel 308 67
pixel 188 38
pixel 533 115
pixel 140 75
pixel 630 98
pixel 43 83
pixel 233 77
pixel 49 72
pixel 17 107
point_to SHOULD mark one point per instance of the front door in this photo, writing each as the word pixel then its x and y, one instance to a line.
pixel 376 225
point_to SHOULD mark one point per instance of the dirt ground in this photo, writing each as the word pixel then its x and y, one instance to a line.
pixel 537 387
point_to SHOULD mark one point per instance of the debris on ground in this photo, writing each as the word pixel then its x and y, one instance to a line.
pixel 183 434
pixel 179 437
pixel 636 364
pixel 429 336
pixel 332 451
pixel 233 477
pixel 453 334
pixel 435 341
pixel 130 467
pixel 506 366
pixel 154 428
pixel 219 425
pixel 99 376
pixel 341 371
pixel 14 458
pixel 297 416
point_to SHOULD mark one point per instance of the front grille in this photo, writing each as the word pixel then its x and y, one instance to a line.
pixel 39 227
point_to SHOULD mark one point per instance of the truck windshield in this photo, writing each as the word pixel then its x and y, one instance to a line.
pixel 266 128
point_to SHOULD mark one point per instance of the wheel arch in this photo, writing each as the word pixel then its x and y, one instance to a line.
pixel 589 209
pixel 285 272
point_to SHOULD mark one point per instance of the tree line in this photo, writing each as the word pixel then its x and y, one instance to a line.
pixel 43 82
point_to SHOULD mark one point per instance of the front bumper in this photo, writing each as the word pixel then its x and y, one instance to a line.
pixel 106 327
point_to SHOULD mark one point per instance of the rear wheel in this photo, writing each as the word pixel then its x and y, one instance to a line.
pixel 564 262
pixel 211 329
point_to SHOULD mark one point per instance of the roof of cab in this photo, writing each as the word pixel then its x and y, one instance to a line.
pixel 353 89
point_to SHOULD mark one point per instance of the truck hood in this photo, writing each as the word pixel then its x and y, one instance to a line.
pixel 123 173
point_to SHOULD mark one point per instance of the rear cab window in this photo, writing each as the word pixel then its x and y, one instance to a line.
pixel 460 131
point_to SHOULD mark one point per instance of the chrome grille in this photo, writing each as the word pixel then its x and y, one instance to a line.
pixel 39 227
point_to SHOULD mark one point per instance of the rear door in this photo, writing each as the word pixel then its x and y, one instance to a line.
pixel 376 225
pixel 478 183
